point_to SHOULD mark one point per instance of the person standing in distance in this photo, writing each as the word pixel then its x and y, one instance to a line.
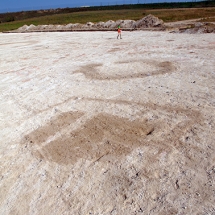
pixel 119 32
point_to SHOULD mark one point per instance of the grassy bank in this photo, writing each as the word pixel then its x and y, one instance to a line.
pixel 167 15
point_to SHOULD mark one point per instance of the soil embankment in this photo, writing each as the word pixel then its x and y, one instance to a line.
pixel 150 23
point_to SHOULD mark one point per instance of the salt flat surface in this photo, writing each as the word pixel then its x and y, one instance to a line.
pixel 94 125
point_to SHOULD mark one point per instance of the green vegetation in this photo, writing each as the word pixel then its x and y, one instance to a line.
pixel 168 12
pixel 172 15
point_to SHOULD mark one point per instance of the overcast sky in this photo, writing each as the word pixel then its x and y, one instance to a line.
pixel 22 5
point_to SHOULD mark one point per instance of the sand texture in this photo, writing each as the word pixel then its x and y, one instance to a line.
pixel 94 125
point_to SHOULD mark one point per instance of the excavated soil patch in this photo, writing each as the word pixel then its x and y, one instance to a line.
pixel 103 135
pixel 144 69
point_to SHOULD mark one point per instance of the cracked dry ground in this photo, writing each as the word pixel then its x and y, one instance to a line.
pixel 94 125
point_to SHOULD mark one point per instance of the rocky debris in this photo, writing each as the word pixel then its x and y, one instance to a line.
pixel 31 27
pixel 200 28
pixel 191 27
pixel 126 23
pixel 109 24
pixel 23 28
pixel 149 21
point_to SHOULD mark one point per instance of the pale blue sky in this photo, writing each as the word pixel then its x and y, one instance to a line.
pixel 22 5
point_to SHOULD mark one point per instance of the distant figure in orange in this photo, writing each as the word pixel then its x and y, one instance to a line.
pixel 119 33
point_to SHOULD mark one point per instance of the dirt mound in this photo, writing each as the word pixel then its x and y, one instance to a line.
pixel 193 26
pixel 200 27
pixel 23 28
pixel 149 21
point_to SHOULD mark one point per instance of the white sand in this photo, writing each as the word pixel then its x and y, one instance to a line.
pixel 94 125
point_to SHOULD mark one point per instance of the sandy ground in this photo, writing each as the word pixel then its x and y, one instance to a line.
pixel 94 125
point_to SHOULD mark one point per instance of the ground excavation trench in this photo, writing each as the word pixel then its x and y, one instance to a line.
pixel 104 136
pixel 139 68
